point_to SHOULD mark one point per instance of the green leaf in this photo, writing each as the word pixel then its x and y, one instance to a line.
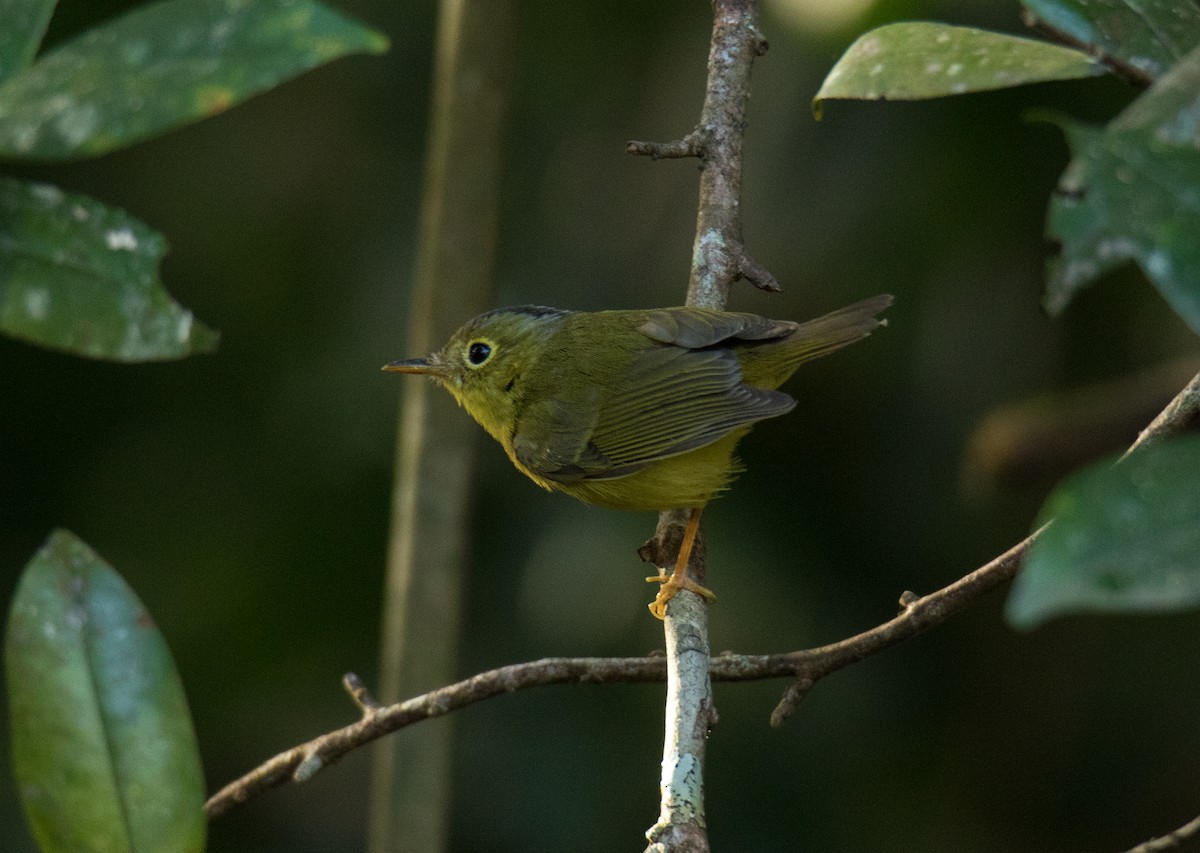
pixel 1125 539
pixel 102 742
pixel 1132 191
pixel 164 65
pixel 24 25
pixel 918 59
pixel 81 277
pixel 1150 35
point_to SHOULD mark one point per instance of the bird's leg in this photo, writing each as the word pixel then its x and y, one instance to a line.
pixel 679 579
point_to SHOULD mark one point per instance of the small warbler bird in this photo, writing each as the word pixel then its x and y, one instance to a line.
pixel 633 410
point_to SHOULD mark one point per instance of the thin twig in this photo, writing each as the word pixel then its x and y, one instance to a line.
pixel 691 145
pixel 360 694
pixel 919 614
pixel 1171 840
pixel 1119 67
pixel 807 665
pixel 1182 412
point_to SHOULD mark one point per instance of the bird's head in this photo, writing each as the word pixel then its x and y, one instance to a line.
pixel 485 362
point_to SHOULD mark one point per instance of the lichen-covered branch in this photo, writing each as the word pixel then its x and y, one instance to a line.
pixel 689 708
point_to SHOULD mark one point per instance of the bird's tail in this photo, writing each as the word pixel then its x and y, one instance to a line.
pixel 769 365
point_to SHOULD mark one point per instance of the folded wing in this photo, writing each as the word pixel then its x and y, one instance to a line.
pixel 680 394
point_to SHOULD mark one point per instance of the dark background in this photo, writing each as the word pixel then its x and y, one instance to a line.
pixel 245 495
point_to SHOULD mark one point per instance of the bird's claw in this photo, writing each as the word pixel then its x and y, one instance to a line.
pixel 671 584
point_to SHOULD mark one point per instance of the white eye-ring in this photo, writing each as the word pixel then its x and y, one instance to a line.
pixel 478 352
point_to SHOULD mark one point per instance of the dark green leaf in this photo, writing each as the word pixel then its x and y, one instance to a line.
pixel 78 276
pixel 103 747
pixel 1133 192
pixel 22 25
pixel 1150 35
pixel 164 65
pixel 917 59
pixel 1125 538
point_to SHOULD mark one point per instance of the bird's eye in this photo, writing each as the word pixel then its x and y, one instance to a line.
pixel 478 353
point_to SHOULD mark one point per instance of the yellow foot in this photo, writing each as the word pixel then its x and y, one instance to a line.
pixel 671 585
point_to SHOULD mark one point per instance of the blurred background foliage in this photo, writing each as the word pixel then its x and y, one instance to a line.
pixel 244 495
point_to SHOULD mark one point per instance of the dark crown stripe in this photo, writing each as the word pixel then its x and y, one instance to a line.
pixel 535 311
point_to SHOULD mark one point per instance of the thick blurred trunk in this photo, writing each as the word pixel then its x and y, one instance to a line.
pixel 430 530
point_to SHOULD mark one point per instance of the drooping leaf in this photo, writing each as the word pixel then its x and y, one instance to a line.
pixel 79 276
pixel 1132 192
pixel 163 65
pixel 919 59
pixel 23 25
pixel 1125 539
pixel 102 742
pixel 1150 35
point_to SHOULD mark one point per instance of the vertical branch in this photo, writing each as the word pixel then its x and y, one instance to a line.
pixel 428 543
pixel 718 256
pixel 718 259
pixel 681 826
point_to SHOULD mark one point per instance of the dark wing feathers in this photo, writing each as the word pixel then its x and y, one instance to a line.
pixel 696 328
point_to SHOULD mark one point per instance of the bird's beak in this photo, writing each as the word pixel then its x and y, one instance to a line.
pixel 423 366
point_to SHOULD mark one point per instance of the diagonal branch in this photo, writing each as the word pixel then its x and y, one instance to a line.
pixel 808 666
pixel 1182 412
pixel 919 614
pixel 1170 841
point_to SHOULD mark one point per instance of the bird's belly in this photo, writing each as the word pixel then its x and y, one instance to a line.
pixel 691 479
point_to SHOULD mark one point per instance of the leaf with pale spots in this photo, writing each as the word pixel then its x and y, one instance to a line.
pixel 1125 538
pixel 102 742
pixel 1150 35
pixel 919 59
pixel 1132 192
pixel 81 277
pixel 24 25
pixel 164 65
